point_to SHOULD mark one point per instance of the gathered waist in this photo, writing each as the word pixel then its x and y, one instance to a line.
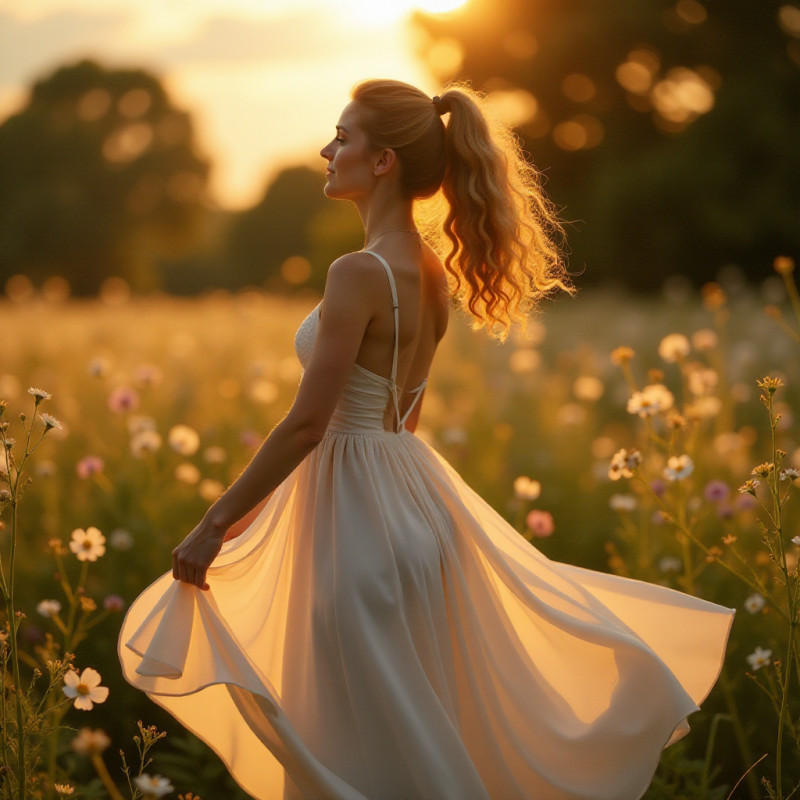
pixel 378 433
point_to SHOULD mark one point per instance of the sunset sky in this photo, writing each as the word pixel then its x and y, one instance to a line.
pixel 265 80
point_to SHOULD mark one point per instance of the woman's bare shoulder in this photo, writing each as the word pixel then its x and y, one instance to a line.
pixel 356 270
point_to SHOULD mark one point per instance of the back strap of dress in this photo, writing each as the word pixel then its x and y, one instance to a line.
pixel 396 309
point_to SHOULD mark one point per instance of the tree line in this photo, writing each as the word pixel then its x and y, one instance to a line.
pixel 667 133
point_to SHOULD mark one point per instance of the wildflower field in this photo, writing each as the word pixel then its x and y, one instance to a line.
pixel 653 437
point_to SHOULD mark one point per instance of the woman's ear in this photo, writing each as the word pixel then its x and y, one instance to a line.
pixel 384 161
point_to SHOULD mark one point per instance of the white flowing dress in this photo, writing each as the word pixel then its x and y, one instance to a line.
pixel 379 632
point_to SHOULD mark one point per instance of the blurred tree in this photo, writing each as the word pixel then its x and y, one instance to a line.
pixel 99 175
pixel 668 131
pixel 287 241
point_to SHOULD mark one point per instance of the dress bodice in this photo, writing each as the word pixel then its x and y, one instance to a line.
pixel 362 406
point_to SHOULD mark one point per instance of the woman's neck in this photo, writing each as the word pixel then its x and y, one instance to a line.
pixel 381 215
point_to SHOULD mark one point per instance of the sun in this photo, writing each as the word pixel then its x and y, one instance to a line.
pixel 386 11
pixel 437 6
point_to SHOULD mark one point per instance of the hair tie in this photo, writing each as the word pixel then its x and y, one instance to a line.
pixel 438 104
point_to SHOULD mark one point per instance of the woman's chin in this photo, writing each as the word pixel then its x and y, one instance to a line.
pixel 331 192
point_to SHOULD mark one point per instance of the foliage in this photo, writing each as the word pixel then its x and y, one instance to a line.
pixel 666 129
pixel 100 173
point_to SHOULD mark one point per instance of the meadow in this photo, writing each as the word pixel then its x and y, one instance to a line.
pixel 621 433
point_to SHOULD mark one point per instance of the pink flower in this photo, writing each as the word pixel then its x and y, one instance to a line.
pixel 88 466
pixel 745 502
pixel 716 491
pixel 114 602
pixel 123 399
pixel 540 523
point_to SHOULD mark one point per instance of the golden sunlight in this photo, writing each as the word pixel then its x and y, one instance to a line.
pixel 392 10
pixel 437 6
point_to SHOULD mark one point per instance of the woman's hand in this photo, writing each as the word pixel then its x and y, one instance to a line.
pixel 192 557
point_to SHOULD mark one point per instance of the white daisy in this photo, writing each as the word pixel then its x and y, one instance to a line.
pixel 673 347
pixel 678 467
pixel 754 603
pixel 51 422
pixel 670 564
pixel 88 545
pixel 39 394
pixel 153 785
pixel 145 442
pixel 85 688
pixel 183 439
pixel 527 489
pixel 759 658
pixel 48 608
pixel 622 502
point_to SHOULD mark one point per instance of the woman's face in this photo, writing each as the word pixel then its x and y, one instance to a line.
pixel 350 169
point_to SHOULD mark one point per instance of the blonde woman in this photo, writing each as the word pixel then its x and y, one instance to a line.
pixel 350 621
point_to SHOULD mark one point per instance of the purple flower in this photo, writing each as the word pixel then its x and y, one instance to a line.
pixel 658 486
pixel 716 491
pixel 32 634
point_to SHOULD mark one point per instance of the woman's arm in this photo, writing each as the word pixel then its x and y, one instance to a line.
pixel 350 291
pixel 238 528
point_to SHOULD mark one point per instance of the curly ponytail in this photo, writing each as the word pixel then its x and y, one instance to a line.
pixel 496 230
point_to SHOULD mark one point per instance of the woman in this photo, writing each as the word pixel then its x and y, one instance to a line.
pixel 373 630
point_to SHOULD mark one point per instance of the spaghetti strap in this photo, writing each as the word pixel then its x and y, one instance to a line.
pixel 396 308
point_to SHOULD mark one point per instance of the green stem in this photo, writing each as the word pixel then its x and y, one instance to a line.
pixel 739 734
pixel 14 656
pixel 791 288
pixel 102 773
pixel 712 736
pixel 781 718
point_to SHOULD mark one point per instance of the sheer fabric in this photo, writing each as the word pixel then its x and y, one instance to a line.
pixel 379 632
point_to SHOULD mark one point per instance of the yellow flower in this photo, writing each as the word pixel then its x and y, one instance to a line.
pixel 210 490
pixel 783 265
pixel 86 688
pixel 87 604
pixel 770 385
pixel 713 295
pixel 187 473
pixel 63 789
pixel 749 487
pixel 621 355
pixel 763 470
